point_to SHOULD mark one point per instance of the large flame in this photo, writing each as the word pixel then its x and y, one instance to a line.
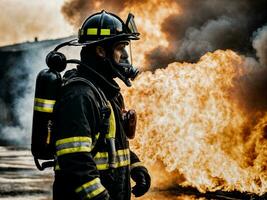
pixel 189 120
pixel 192 129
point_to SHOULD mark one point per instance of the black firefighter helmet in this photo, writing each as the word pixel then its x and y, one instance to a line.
pixel 107 27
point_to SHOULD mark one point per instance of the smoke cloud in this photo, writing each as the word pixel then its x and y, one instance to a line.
pixel 260 45
pixel 76 11
pixel 208 25
pixel 195 28
pixel 18 83
pixel 23 20
pixel 20 65
pixel 253 86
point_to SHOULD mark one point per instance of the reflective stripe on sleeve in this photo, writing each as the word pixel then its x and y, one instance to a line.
pixel 137 164
pixel 73 145
pixel 90 189
pixel 122 159
pixel 44 105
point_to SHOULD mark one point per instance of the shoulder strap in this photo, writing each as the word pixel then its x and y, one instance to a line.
pixel 104 109
pixel 99 93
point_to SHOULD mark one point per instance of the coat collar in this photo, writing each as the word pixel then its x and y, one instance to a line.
pixel 110 88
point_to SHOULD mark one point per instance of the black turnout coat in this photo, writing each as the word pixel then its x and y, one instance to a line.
pixel 82 170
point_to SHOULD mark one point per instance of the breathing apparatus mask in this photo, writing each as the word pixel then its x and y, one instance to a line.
pixel 121 64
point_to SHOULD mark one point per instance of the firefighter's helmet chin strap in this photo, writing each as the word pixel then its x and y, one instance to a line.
pixel 124 71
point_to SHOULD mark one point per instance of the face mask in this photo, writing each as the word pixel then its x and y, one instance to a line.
pixel 123 68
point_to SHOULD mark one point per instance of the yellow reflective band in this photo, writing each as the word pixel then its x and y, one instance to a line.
pixel 102 166
pixel 105 31
pixel 91 188
pixel 123 152
pixel 95 192
pixel 73 150
pixel 43 109
pixel 92 31
pixel 46 101
pixel 73 139
pixel 88 184
pixel 123 163
pixel 44 105
pixel 73 145
pixel 112 124
pixel 119 164
pixel 101 155
pixel 122 159
pixel 137 164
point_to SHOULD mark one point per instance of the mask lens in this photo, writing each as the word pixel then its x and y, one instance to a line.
pixel 130 23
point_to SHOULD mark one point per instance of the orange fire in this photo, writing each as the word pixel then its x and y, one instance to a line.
pixel 193 129
pixel 189 120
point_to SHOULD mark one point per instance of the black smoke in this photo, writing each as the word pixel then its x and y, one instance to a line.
pixel 200 26
pixel 19 66
pixel 208 25
pixel 76 11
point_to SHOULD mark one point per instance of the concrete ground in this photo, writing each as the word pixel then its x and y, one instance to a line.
pixel 20 180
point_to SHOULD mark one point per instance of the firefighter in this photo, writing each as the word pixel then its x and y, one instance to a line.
pixel 93 159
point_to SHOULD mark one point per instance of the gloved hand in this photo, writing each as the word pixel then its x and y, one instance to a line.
pixel 142 179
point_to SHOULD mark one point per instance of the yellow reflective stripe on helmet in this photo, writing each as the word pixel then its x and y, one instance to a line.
pixel 112 124
pixel 44 105
pixel 73 145
pixel 105 31
pixel 90 189
pixel 92 31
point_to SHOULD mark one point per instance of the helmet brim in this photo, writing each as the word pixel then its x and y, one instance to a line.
pixel 111 39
